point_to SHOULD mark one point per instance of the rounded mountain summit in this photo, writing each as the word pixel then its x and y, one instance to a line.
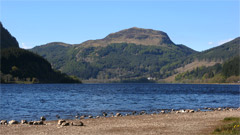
pixel 133 35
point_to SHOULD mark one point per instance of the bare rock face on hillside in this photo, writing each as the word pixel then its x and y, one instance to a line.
pixel 133 35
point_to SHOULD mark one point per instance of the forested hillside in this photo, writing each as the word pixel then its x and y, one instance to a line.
pixel 131 55
pixel 227 72
pixel 7 40
pixel 117 61
pixel 19 65
pixel 22 66
pixel 222 52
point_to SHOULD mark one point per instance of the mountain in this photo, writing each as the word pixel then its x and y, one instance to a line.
pixel 132 55
pixel 22 66
pixel 208 58
pixel 212 56
pixel 7 40
pixel 133 35
pixel 222 52
pixel 129 54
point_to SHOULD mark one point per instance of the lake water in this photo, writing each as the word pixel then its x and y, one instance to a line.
pixel 66 100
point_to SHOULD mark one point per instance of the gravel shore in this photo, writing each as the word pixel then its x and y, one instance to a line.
pixel 166 124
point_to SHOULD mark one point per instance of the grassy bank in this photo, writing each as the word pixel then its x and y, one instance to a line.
pixel 231 126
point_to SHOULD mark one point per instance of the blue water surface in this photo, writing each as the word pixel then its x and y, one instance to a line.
pixel 30 101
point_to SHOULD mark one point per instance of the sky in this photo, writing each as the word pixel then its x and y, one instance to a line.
pixel 199 24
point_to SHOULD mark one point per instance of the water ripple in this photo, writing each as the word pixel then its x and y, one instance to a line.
pixel 32 101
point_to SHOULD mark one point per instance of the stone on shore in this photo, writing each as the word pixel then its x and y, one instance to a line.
pixel 182 111
pixel 90 116
pixel 77 123
pixel 60 122
pixel 82 117
pixel 42 118
pixel 65 124
pixel 134 112
pixel 13 122
pixel 38 123
pixel 4 122
pixel 142 113
pixel 191 111
pixel 35 123
pixel 24 122
pixel 104 114
pixel 118 114
pixel 30 122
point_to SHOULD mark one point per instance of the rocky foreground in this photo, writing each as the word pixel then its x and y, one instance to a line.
pixel 175 122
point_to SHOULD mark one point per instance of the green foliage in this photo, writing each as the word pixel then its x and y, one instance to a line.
pixel 232 79
pixel 232 127
pixel 222 52
pixel 28 64
pixel 231 67
pixel 125 61
pixel 231 119
pixel 118 60
pixel 19 65
pixel 55 52
pixel 200 72
pixel 219 73
pixel 218 78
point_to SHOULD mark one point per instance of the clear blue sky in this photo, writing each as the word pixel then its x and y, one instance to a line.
pixel 200 24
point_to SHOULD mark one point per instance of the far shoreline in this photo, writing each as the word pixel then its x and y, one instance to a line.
pixel 130 83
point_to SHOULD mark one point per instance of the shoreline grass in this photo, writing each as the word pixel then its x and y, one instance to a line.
pixel 231 126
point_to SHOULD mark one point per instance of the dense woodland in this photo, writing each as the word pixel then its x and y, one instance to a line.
pixel 221 53
pixel 116 62
pixel 19 65
pixel 22 66
pixel 127 62
pixel 7 40
pixel 227 72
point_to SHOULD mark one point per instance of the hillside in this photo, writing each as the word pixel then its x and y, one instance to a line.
pixel 130 58
pixel 222 52
pixel 7 40
pixel 228 72
pixel 208 58
pixel 132 55
pixel 56 53
pixel 22 66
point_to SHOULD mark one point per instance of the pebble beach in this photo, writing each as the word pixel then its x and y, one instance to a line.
pixel 175 122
